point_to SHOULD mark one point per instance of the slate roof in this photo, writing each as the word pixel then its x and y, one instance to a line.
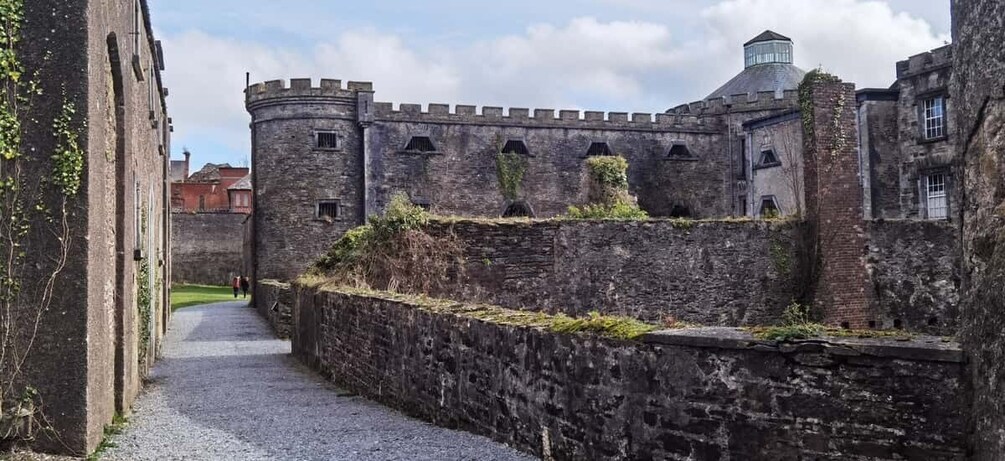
pixel 762 77
pixel 767 36
pixel 208 173
pixel 243 184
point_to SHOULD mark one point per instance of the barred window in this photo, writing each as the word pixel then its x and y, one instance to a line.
pixel 328 140
pixel 768 158
pixel 935 195
pixel 420 144
pixel 515 146
pixel 680 151
pixel 599 149
pixel 328 210
pixel 934 117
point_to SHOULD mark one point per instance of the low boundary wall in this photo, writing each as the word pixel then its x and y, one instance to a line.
pixel 692 394
pixel 274 301
pixel 206 248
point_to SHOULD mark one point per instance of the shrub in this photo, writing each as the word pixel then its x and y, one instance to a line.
pixel 620 211
pixel 609 197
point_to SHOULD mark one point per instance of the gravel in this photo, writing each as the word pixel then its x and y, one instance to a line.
pixel 225 389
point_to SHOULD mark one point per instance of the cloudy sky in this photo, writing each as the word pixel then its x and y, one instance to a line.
pixel 624 55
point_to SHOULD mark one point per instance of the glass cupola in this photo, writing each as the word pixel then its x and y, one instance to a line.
pixel 768 48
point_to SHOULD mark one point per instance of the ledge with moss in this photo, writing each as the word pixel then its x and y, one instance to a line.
pixel 832 342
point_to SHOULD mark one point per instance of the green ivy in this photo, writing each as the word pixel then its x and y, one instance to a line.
pixel 609 171
pixel 510 168
pixel 68 160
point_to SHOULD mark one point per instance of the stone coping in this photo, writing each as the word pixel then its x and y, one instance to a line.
pixel 920 348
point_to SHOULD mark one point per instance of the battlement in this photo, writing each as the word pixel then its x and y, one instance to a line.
pixel 925 62
pixel 570 118
pixel 303 87
pixel 764 100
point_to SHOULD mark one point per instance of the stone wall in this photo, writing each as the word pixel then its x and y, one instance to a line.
pixel 979 96
pixel 914 267
pixel 208 247
pixel 710 273
pixel 700 394
pixel 274 301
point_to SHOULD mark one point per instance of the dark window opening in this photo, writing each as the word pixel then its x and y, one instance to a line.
pixel 680 211
pixel 742 208
pixel 933 321
pixel 599 149
pixel 329 210
pixel 679 151
pixel 845 325
pixel 872 324
pixel 769 209
pixel 519 209
pixel 420 144
pixel 422 203
pixel 515 147
pixel 898 324
pixel 768 158
pixel 328 140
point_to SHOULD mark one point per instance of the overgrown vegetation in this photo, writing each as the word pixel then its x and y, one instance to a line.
pixel 510 168
pixel 195 295
pixel 799 321
pixel 144 306
pixel 36 191
pixel 609 197
pixel 392 252
pixel 607 326
pixel 111 430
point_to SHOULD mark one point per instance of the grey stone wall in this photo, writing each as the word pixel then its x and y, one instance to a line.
pixel 878 134
pixel 710 273
pixel 86 357
pixel 979 95
pixel 700 394
pixel 274 301
pixel 208 247
pixel 915 271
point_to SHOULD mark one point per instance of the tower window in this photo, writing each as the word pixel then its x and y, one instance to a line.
pixel 328 210
pixel 933 113
pixel 420 144
pixel 680 151
pixel 515 146
pixel 328 140
pixel 599 149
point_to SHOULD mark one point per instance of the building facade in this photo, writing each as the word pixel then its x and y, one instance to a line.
pixel 93 290
pixel 325 157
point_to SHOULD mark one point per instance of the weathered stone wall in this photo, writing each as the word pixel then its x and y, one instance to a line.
pixel 878 135
pixel 94 341
pixel 274 301
pixel 710 273
pixel 915 271
pixel 979 96
pixel 208 247
pixel 700 394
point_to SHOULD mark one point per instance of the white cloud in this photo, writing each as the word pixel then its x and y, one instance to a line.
pixel 585 62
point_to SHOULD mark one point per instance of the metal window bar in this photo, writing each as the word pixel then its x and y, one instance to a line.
pixel 937 199
pixel 599 149
pixel 328 210
pixel 420 144
pixel 327 140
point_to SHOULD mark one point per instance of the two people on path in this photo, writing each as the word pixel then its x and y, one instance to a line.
pixel 240 284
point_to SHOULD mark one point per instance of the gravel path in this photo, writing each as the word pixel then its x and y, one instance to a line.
pixel 225 389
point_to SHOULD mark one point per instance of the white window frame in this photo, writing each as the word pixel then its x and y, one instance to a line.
pixel 936 189
pixel 933 114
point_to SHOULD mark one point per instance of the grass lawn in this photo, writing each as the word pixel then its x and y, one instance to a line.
pixel 194 295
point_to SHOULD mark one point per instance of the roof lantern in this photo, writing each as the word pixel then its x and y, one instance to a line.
pixel 768 48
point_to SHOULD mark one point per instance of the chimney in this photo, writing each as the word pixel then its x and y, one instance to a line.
pixel 187 155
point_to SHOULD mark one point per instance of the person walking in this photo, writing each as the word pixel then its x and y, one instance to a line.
pixel 236 285
pixel 245 285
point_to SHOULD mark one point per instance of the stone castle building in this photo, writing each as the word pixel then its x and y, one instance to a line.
pixel 326 157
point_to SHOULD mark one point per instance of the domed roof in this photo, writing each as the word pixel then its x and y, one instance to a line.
pixel 762 77
pixel 768 67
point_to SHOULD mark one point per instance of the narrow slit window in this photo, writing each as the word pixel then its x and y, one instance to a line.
pixel 515 147
pixel 329 210
pixel 420 144
pixel 680 151
pixel 328 140
pixel 598 149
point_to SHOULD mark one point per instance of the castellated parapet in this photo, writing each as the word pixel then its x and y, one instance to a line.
pixel 303 88
pixel 938 58
pixel 739 103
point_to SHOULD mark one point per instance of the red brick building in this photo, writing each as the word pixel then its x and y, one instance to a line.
pixel 213 189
